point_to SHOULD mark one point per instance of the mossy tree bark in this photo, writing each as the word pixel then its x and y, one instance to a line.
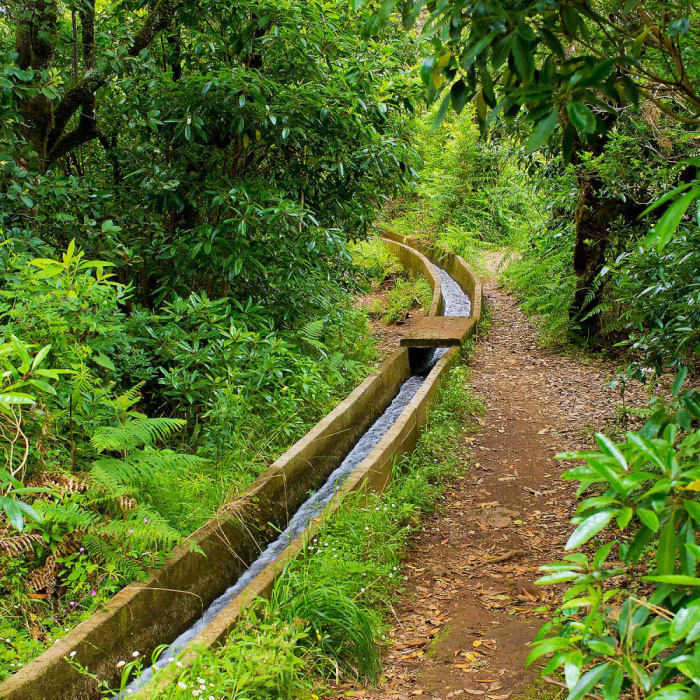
pixel 56 127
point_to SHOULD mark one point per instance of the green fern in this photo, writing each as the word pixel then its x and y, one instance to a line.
pixel 135 431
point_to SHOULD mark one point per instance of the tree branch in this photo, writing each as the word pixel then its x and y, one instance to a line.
pixel 82 94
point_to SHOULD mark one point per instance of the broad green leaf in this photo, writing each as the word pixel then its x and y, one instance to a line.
pixel 678 381
pixel 470 54
pixel 523 58
pixel 23 353
pixel 13 512
pixel 666 552
pixel 624 517
pixel 668 223
pixel 104 361
pixel 602 553
pixel 613 684
pixel 674 579
pixel 459 96
pixel 581 117
pixel 39 358
pixel 693 509
pixel 610 449
pixel 590 527
pixel 542 131
pixel 558 577
pixel 547 646
pixel 44 386
pixel 441 113
pixel 572 668
pixel 684 620
pixel 588 681
pixel 426 69
pixel 649 518
pixel 16 397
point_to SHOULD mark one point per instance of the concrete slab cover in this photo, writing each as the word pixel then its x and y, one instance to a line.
pixel 438 332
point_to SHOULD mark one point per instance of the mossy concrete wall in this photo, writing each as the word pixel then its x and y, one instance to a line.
pixel 417 263
pixel 455 266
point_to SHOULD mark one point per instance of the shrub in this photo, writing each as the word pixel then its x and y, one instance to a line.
pixel 642 504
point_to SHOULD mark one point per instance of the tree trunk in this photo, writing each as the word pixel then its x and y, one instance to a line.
pixel 592 220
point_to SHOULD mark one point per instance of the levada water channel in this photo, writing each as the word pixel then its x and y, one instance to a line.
pixel 457 303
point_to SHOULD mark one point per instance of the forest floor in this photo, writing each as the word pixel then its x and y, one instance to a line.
pixel 469 608
pixel 387 337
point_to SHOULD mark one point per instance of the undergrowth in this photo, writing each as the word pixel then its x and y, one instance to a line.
pixel 99 514
pixel 328 614
pixel 470 196
pixel 375 266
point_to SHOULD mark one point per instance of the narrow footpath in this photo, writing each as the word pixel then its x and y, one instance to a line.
pixel 470 607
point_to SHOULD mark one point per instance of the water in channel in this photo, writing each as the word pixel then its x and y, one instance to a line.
pixel 457 303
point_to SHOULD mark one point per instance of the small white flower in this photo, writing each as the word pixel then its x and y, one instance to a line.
pixel 195 693
pixel 391 575
pixel 135 654
pixel 182 685
pixel 72 654
pixel 366 529
pixel 362 590
pixel 121 663
pixel 179 664
pixel 202 686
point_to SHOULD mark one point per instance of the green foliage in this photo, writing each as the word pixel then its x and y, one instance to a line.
pixel 23 371
pixel 407 294
pixel 644 639
pixel 540 277
pixel 234 158
pixel 563 70
pixel 373 263
pixel 657 299
pixel 468 196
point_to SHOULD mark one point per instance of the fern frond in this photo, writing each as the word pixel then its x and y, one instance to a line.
pixel 72 516
pixel 336 360
pixel 18 544
pixel 312 330
pixel 135 432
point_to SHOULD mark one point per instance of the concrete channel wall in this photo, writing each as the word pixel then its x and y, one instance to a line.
pixel 455 266
pixel 145 615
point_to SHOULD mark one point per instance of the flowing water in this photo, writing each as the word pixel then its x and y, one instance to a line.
pixel 307 511
pixel 457 303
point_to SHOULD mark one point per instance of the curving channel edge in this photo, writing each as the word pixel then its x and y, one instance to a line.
pixel 142 615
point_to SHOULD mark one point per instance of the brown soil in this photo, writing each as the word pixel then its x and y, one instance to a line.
pixel 388 337
pixel 470 608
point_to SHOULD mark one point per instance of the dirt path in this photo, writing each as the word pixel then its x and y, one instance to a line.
pixel 465 619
